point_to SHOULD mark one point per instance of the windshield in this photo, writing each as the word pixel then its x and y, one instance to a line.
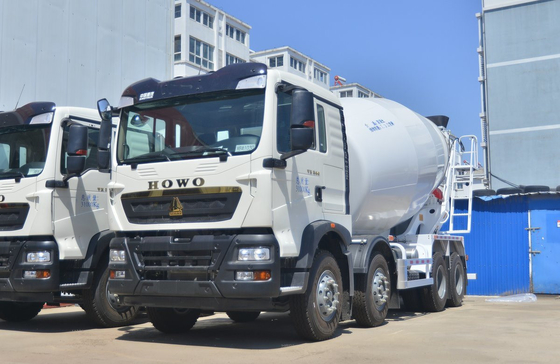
pixel 196 126
pixel 23 150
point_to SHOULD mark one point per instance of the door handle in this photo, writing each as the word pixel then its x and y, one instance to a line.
pixel 319 193
pixel 534 252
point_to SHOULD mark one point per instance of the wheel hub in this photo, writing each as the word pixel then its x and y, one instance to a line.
pixel 441 282
pixel 380 288
pixel 327 295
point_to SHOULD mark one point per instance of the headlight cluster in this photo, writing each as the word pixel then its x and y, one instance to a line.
pixel 38 257
pixel 117 256
pixel 253 254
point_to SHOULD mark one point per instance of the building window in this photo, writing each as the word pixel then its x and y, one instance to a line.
pixel 362 95
pixel 233 59
pixel 320 76
pixel 177 10
pixel 298 65
pixel 277 61
pixel 235 33
pixel 346 93
pixel 177 48
pixel 202 17
pixel 201 53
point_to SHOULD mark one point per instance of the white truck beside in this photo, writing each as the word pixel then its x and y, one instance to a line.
pixel 251 189
pixel 53 214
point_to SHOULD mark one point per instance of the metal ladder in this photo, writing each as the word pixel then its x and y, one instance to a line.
pixel 463 161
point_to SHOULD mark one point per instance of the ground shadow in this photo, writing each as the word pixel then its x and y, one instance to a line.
pixel 59 321
pixel 269 331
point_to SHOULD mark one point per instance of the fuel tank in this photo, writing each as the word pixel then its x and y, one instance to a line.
pixel 396 159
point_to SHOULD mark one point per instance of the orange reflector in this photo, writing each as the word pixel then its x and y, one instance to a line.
pixel 391 238
pixel 112 274
pixel 261 275
pixel 43 274
pixel 309 123
pixel 438 194
pixel 466 257
pixel 81 152
pixel 333 225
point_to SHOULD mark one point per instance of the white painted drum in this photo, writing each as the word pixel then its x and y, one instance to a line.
pixel 397 158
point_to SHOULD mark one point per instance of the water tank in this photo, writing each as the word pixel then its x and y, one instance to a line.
pixel 396 159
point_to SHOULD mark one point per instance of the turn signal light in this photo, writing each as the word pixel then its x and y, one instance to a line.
pixel 36 274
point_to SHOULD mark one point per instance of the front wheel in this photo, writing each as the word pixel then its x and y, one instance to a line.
pixel 435 296
pixel 173 320
pixel 19 311
pixel 243 316
pixel 102 306
pixel 371 294
pixel 316 313
pixel 457 281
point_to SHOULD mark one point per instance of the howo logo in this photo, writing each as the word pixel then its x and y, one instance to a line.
pixel 179 182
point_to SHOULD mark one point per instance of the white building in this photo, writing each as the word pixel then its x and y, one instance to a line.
pixel 353 90
pixel 207 38
pixel 75 52
pixel 290 60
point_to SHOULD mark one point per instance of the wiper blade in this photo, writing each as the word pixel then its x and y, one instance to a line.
pixel 147 158
pixel 202 151
pixel 12 174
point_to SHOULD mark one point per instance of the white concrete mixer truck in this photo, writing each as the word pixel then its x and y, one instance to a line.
pixel 53 217
pixel 250 189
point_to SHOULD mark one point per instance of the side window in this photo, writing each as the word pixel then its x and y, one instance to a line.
pixel 4 156
pixel 91 160
pixel 320 125
pixel 283 122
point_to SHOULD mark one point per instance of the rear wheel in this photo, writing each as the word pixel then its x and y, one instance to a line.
pixel 19 311
pixel 316 313
pixel 243 316
pixel 102 306
pixel 457 281
pixel 435 296
pixel 173 320
pixel 372 292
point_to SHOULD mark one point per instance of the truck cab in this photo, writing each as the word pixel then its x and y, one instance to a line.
pixel 53 212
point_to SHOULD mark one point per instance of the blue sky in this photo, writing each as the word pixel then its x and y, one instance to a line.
pixel 421 53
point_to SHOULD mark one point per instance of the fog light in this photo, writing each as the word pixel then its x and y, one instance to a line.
pixel 117 274
pixel 36 274
pixel 38 257
pixel 257 275
pixel 117 256
pixel 253 254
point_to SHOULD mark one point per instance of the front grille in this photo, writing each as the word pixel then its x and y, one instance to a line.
pixel 13 215
pixel 181 206
pixel 8 252
pixel 161 258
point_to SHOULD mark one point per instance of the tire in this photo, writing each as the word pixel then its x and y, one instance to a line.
pixel 372 293
pixel 173 320
pixel 243 316
pixel 434 297
pixel 101 306
pixel 316 313
pixel 457 281
pixel 19 311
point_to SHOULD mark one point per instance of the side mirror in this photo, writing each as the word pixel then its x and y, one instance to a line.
pixel 105 110
pixel 77 149
pixel 302 121
pixel 301 137
pixel 105 133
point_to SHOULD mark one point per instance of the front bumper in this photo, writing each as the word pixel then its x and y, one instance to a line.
pixel 13 287
pixel 195 272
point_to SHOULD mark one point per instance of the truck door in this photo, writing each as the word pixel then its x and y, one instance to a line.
pixel 306 189
pixel 79 210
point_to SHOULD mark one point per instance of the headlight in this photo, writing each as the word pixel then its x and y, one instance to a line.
pixel 38 257
pixel 117 256
pixel 254 254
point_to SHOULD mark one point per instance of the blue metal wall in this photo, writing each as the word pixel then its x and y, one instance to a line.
pixel 498 245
